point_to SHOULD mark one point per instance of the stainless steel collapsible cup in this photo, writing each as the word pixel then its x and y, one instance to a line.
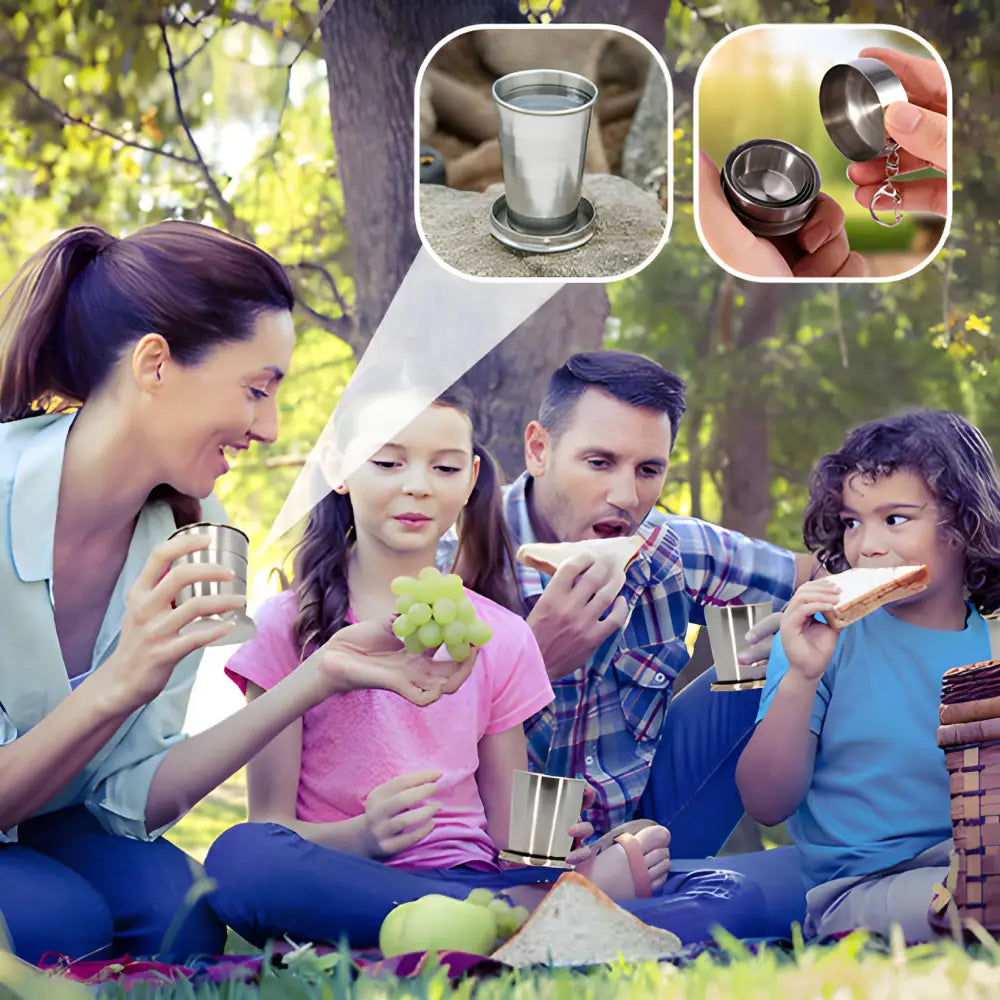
pixel 771 185
pixel 542 809
pixel 727 626
pixel 228 547
pixel 853 97
pixel 544 122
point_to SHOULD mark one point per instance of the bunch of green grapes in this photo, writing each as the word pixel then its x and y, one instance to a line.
pixel 510 919
pixel 433 609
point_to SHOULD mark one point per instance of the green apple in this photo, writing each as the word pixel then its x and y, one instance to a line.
pixel 434 923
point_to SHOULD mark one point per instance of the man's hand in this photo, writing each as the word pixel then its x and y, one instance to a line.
pixel 761 639
pixel 568 620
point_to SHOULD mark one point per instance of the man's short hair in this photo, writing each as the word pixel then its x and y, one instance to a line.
pixel 630 378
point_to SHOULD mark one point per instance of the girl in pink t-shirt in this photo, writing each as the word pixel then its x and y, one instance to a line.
pixel 370 798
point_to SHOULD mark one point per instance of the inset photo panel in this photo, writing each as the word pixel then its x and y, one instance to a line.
pixel 543 151
pixel 823 153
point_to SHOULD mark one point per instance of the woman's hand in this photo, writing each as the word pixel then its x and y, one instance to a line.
pixel 920 127
pixel 150 645
pixel 818 250
pixel 809 644
pixel 369 655
pixel 397 815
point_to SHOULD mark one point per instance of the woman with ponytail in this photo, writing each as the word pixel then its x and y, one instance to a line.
pixel 367 801
pixel 128 368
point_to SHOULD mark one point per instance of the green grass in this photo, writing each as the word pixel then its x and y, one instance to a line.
pixel 855 969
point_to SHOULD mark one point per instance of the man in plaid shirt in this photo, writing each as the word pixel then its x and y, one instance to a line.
pixel 596 463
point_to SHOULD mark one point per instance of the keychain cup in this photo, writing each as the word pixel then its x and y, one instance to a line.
pixel 853 97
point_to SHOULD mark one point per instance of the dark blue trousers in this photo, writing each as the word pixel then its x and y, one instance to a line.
pixel 69 887
pixel 273 882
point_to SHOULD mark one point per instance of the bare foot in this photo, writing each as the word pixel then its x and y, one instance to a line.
pixel 610 870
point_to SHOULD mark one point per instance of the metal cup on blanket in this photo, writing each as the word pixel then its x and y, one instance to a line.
pixel 969 735
pixel 727 628
pixel 228 547
pixel 542 808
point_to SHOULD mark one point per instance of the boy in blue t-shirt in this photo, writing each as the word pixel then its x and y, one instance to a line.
pixel 845 743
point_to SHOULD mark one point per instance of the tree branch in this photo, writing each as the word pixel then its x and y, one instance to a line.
pixel 232 222
pixel 331 281
pixel 339 326
pixel 65 118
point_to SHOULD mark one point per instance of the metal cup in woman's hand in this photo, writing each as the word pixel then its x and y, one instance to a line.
pixel 228 547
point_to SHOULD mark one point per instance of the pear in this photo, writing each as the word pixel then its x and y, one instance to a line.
pixel 438 923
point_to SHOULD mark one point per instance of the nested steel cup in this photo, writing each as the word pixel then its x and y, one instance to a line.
pixel 228 547
pixel 727 628
pixel 771 185
pixel 542 809
pixel 544 122
pixel 853 97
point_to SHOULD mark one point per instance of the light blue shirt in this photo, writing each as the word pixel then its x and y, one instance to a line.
pixel 115 784
pixel 879 793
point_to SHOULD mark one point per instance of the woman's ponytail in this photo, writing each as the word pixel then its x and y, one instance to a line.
pixel 37 366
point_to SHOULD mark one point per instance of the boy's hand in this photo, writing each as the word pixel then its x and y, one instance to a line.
pixel 808 643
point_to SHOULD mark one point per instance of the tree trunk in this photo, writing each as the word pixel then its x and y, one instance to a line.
pixel 373 50
pixel 508 384
pixel 746 481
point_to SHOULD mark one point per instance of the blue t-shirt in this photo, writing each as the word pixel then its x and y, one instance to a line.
pixel 879 791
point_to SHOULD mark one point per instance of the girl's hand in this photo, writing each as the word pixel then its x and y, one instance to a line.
pixel 394 818
pixel 582 831
pixel 150 645
pixel 808 643
pixel 369 655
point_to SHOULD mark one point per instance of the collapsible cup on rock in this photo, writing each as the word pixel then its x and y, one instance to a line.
pixel 542 809
pixel 545 119
pixel 229 547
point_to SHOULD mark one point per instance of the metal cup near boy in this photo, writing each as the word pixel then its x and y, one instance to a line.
pixel 228 547
pixel 772 185
pixel 544 119
pixel 727 628
pixel 542 808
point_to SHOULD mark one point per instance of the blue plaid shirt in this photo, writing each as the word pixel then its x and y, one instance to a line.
pixel 605 721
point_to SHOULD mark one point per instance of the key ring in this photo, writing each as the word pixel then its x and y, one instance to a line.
pixel 888 189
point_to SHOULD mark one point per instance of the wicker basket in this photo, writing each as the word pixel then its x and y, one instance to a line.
pixel 974 773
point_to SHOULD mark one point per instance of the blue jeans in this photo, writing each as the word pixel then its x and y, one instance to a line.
pixel 692 791
pixel 70 887
pixel 272 882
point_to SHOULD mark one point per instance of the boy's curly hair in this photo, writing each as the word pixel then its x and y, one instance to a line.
pixel 958 466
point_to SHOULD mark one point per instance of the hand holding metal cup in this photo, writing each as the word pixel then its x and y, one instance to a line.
pixel 727 628
pixel 542 810
pixel 853 97
pixel 228 547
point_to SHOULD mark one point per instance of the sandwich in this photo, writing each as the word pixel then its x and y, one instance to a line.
pixel 577 924
pixel 866 588
pixel 617 552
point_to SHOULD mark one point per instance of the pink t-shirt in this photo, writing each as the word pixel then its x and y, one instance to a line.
pixel 355 741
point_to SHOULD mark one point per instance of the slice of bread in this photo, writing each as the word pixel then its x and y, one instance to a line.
pixel 577 924
pixel 866 588
pixel 617 552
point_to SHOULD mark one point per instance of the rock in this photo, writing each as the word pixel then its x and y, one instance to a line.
pixel 630 226
pixel 646 153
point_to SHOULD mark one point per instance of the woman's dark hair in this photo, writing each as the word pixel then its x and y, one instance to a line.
pixel 86 297
pixel 954 460
pixel 484 560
